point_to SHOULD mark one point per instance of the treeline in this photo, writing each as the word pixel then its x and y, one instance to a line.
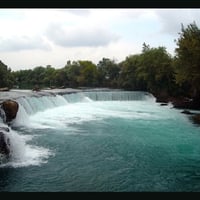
pixel 153 70
pixel 6 77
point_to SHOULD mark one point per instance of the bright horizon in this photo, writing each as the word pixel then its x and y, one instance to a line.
pixel 41 37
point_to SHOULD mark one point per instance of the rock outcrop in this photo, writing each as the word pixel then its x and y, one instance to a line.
pixel 10 108
pixel 187 112
pixel 196 119
pixel 164 104
pixel 4 143
pixel 5 89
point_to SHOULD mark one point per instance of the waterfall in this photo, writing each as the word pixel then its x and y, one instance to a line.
pixel 31 105
pixel 119 96
pixel 75 97
pixel 11 139
pixel 21 153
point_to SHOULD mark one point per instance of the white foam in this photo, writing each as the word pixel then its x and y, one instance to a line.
pixel 24 154
pixel 87 99
pixel 76 113
pixel 61 115
pixel 22 118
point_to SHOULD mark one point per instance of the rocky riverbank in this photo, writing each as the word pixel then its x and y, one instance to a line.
pixel 184 103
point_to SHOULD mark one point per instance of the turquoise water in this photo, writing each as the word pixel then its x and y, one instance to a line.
pixel 84 143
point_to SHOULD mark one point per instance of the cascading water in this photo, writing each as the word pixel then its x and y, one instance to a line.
pixel 4 139
pixel 119 96
pixel 32 105
pixel 29 106
pixel 101 141
pixel 21 153
pixel 109 96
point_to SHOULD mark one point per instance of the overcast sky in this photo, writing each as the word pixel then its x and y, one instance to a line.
pixel 40 37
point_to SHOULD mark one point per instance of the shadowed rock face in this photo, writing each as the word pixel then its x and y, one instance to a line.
pixel 196 119
pixel 4 145
pixel 10 108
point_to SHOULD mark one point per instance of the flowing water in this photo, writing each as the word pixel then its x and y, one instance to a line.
pixel 101 141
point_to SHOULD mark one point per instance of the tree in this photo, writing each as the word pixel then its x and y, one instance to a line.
pixel 128 78
pixel 49 76
pixel 108 72
pixel 72 71
pixel 6 78
pixel 88 74
pixel 187 59
pixel 155 68
pixel 22 78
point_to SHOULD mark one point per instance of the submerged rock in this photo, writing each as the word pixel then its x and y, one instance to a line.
pixel 36 88
pixel 164 104
pixel 187 112
pixel 196 119
pixel 10 108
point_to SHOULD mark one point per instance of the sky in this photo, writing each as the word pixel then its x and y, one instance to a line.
pixel 41 37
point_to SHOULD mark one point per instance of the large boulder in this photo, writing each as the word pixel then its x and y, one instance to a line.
pixel 10 108
pixel 187 112
pixel 196 119
pixel 4 145
pixel 5 89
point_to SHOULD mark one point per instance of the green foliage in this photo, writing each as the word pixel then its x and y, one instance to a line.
pixel 108 73
pixel 23 78
pixel 187 59
pixel 128 78
pixel 151 70
pixel 49 76
pixel 155 68
pixel 88 74
pixel 72 72
pixel 6 78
